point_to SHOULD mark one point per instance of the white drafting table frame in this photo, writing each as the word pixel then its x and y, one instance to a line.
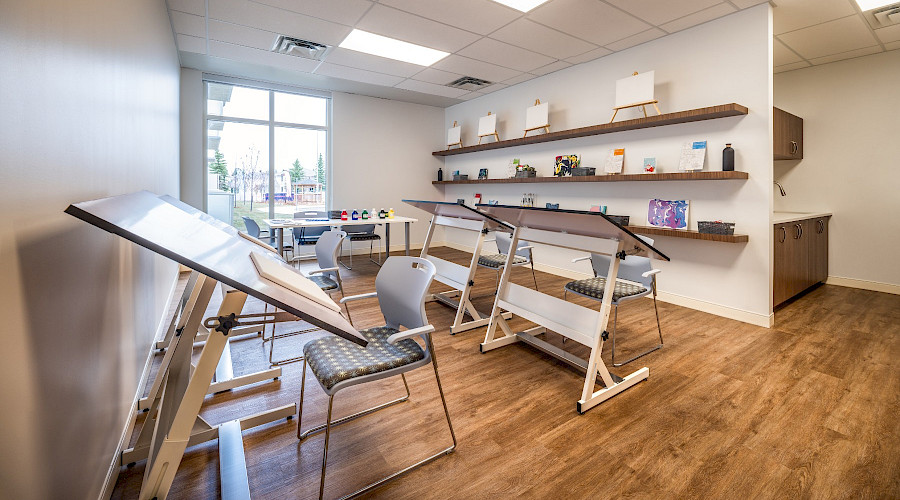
pixel 216 256
pixel 279 227
pixel 578 230
pixel 460 216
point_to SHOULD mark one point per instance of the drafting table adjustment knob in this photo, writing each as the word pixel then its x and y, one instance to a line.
pixel 178 332
pixel 471 282
pixel 621 255
pixel 226 323
pixel 604 335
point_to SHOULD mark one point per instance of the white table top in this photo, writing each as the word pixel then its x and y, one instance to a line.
pixel 282 223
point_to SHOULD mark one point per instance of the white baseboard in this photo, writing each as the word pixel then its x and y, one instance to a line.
pixel 875 286
pixel 763 320
pixel 112 474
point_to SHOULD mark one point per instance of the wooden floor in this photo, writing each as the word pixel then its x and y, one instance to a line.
pixel 808 409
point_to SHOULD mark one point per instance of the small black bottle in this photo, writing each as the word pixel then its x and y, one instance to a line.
pixel 728 158
pixel 440 174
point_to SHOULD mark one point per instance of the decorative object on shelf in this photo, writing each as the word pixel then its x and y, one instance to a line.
pixel 493 202
pixel 440 174
pixel 583 171
pixel 552 206
pixel 454 136
pixel 670 214
pixel 460 177
pixel 649 165
pixel 634 91
pixel 621 220
pixel 728 158
pixel 615 162
pixel 483 173
pixel 528 200
pixel 693 155
pixel 487 126
pixel 460 201
pixel 511 167
pixel 525 171
pixel 715 227
pixel 565 164
pixel 598 208
pixel 477 199
pixel 537 117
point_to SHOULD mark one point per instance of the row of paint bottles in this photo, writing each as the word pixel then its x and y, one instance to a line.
pixel 355 215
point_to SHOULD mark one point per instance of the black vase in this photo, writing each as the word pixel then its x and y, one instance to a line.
pixel 727 158
pixel 440 174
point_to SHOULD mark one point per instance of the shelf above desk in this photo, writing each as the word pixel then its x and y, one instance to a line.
pixel 691 115
pixel 691 235
pixel 669 176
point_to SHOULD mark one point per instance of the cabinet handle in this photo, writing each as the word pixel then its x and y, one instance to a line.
pixel 783 234
pixel 820 226
pixel 793 147
pixel 799 231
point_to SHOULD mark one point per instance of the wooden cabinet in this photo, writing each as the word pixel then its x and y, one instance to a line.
pixel 788 132
pixel 801 256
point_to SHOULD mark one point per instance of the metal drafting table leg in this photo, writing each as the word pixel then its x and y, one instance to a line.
pixel 387 240
pixel 406 230
pixel 509 336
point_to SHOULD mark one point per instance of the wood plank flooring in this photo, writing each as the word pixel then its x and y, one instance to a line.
pixel 808 409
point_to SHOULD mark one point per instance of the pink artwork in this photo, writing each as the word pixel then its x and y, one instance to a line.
pixel 671 214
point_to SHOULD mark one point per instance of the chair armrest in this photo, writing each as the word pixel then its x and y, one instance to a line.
pixel 488 240
pixel 650 272
pixel 326 270
pixel 579 259
pixel 526 247
pixel 370 295
pixel 415 332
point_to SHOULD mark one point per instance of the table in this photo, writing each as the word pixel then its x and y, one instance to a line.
pixel 279 226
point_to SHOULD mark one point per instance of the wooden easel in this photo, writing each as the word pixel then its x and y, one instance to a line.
pixel 642 104
pixel 459 143
pixel 546 127
pixel 494 133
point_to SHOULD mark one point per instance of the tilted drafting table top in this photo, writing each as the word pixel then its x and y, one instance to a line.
pixel 461 211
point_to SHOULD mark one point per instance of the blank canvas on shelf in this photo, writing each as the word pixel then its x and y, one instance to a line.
pixel 537 116
pixel 453 135
pixel 487 125
pixel 634 89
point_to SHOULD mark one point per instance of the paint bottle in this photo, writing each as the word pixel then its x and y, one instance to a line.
pixel 391 213
pixel 344 215
pixel 354 215
pixel 365 214
pixel 727 158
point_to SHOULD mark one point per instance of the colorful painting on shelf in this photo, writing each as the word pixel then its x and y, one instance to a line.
pixel 671 214
pixel 564 165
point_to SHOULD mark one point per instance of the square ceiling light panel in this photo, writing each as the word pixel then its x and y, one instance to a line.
pixel 522 5
pixel 377 45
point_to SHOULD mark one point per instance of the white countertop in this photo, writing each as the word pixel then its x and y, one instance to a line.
pixel 782 217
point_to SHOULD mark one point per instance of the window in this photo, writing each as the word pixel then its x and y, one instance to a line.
pixel 267 152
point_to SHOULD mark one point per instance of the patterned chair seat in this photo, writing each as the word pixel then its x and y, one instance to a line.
pixel 324 282
pixel 498 260
pixel 363 236
pixel 333 359
pixel 593 287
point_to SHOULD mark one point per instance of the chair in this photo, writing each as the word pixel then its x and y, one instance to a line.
pixel 309 235
pixel 497 261
pixel 400 287
pixel 254 230
pixel 636 279
pixel 365 232
pixel 327 277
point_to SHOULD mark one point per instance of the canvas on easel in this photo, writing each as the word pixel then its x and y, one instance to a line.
pixel 487 126
pixel 537 117
pixel 635 91
pixel 454 136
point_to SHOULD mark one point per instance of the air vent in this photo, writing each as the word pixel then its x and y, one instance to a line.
pixel 468 83
pixel 883 17
pixel 300 48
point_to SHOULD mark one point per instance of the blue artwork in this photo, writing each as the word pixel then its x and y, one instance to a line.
pixel 671 214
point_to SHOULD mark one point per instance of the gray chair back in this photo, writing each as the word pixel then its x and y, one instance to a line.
pixel 309 233
pixel 401 286
pixel 360 229
pixel 504 240
pixel 630 269
pixel 252 226
pixel 328 249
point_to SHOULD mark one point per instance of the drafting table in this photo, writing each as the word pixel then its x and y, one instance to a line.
pixel 462 279
pixel 279 225
pixel 216 256
pixel 577 230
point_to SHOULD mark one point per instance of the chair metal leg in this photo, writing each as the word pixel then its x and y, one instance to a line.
pixel 533 276
pixel 319 428
pixel 325 453
pixel 341 261
pixel 655 348
pixel 371 246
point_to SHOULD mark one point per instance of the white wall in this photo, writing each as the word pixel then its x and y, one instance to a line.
pixel 850 162
pixel 381 154
pixel 727 60
pixel 89 109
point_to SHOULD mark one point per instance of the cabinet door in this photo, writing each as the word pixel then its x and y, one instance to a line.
pixel 781 135
pixel 819 252
pixel 795 136
pixel 781 282
pixel 799 248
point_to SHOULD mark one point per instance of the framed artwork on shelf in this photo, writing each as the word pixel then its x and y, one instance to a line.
pixel 671 214
pixel 483 173
pixel 564 165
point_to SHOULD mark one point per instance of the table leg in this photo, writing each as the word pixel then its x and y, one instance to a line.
pixel 387 240
pixel 407 237
pixel 280 241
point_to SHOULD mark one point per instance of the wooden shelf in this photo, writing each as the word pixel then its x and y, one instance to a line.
pixel 670 176
pixel 692 235
pixel 691 115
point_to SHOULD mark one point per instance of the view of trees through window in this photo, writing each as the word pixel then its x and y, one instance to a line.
pixel 266 153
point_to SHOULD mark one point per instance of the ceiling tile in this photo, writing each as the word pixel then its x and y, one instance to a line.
pixel 470 95
pixel 662 11
pixel 589 56
pixel 504 54
pixel 705 15
pixel 889 34
pixel 791 66
pixel 401 25
pixel 479 16
pixel 783 55
pixel 241 35
pixel 833 37
pixel 847 55
pixel 524 77
pixel 436 76
pixel 357 75
pixel 339 11
pixel 790 15
pixel 187 43
pixel 541 39
pixel 430 88
pixel 492 88
pixel 471 67
pixel 256 56
pixel 892 46
pixel 188 24
pixel 196 7
pixel 354 59
pixel 591 20
pixel 743 4
pixel 279 21
pixel 550 68
pixel 643 37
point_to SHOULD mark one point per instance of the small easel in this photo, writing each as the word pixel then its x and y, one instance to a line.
pixel 454 136
pixel 535 114
pixel 487 127
pixel 642 104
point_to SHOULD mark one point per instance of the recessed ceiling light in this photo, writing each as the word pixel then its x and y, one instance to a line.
pixel 523 5
pixel 865 5
pixel 377 45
